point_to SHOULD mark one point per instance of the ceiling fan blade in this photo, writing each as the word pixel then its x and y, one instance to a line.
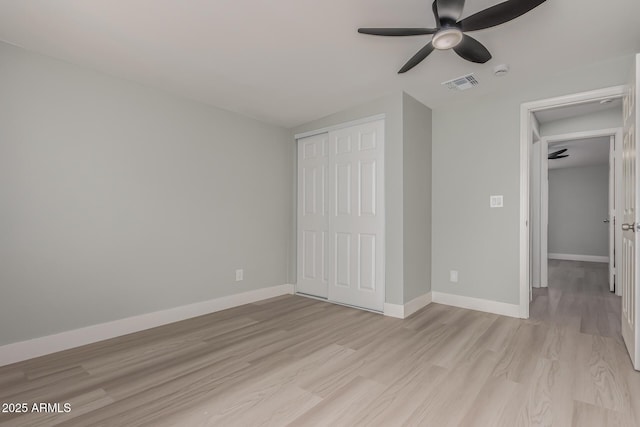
pixel 498 14
pixel 450 9
pixel 558 157
pixel 555 153
pixel 472 50
pixel 434 7
pixel 417 58
pixel 397 32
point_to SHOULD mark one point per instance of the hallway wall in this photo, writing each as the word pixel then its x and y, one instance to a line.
pixel 578 204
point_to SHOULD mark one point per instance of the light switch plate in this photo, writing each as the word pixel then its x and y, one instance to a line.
pixel 453 276
pixel 495 201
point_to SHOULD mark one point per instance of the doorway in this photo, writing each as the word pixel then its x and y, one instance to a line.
pixel 529 122
pixel 573 210
pixel 582 168
pixel 626 262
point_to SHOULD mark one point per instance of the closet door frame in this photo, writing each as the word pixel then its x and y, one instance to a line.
pixel 330 256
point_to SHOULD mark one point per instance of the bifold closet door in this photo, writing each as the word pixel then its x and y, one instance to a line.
pixel 313 213
pixel 356 215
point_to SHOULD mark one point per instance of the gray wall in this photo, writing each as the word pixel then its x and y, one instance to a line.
pixel 117 200
pixel 607 119
pixel 416 119
pixel 391 106
pixel 476 152
pixel 578 203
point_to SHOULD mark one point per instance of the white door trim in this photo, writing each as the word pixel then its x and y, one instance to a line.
pixel 340 126
pixel 582 135
pixel 544 214
pixel 526 110
pixel 611 213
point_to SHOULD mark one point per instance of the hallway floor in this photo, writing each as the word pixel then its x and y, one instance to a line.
pixel 578 299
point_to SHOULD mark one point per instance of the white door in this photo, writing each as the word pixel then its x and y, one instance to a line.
pixel 313 215
pixel 356 220
pixel 612 214
pixel 630 221
pixel 544 215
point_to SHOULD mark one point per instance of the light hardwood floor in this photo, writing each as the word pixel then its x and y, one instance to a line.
pixel 298 361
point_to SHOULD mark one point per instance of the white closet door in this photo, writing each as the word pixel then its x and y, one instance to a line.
pixel 356 220
pixel 313 215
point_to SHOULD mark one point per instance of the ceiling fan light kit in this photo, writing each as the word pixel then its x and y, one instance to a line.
pixel 450 30
pixel 447 38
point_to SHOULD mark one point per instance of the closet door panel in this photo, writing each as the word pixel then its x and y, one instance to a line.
pixel 356 220
pixel 313 215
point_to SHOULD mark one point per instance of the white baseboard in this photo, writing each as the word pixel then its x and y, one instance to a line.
pixel 417 303
pixel 394 310
pixel 575 257
pixel 488 306
pixel 402 311
pixel 23 350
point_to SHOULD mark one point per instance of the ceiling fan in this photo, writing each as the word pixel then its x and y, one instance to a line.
pixel 449 31
pixel 558 154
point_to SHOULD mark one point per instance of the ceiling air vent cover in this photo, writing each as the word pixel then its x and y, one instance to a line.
pixel 462 83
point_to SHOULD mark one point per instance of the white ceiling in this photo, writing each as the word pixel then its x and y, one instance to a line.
pixel 560 113
pixel 582 152
pixel 291 61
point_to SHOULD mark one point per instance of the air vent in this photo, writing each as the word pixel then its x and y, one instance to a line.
pixel 462 83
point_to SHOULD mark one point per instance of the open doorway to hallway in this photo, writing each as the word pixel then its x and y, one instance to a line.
pixel 572 212
pixel 573 189
pixel 626 261
pixel 578 203
pixel 573 174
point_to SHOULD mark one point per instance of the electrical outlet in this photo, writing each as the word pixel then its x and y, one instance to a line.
pixel 453 276
pixel 495 201
pixel 239 275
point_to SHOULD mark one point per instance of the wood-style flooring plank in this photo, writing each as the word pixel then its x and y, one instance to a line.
pixel 402 397
pixel 341 407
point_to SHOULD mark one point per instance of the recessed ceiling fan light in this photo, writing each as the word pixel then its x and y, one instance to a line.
pixel 447 38
pixel 606 101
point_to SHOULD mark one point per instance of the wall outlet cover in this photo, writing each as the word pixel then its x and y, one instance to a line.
pixel 496 201
pixel 453 276
pixel 239 275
